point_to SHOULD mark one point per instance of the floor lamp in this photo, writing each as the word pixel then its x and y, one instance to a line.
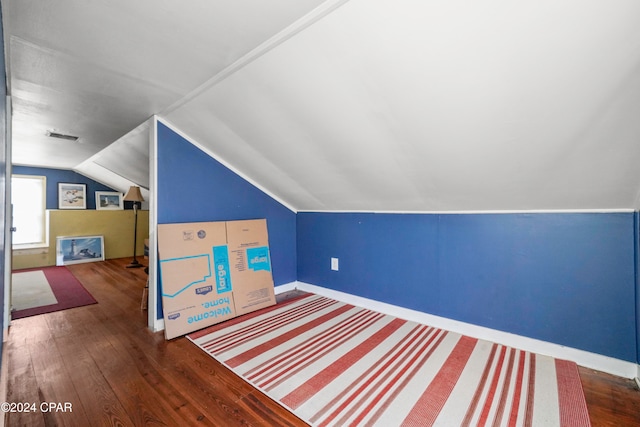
pixel 134 195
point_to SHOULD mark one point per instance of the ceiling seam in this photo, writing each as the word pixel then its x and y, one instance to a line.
pixel 282 36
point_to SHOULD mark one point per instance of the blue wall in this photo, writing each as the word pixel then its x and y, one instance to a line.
pixel 564 278
pixel 194 187
pixel 55 176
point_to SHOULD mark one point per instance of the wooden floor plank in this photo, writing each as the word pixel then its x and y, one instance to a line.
pixel 96 397
pixel 143 403
pixel 116 372
pixel 612 401
pixel 23 386
pixel 53 387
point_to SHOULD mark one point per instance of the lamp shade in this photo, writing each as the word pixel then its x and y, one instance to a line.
pixel 133 195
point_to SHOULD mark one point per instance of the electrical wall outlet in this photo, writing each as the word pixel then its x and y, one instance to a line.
pixel 334 264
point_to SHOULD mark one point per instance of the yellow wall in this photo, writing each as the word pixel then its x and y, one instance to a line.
pixel 116 227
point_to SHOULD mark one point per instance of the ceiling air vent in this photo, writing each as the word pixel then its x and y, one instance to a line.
pixel 62 136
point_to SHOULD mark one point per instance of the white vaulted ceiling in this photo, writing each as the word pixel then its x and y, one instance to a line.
pixel 345 105
pixel 98 69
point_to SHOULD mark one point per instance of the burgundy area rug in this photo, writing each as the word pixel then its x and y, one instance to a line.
pixel 332 363
pixel 68 291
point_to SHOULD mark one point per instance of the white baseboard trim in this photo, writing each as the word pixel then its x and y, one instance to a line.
pixel 158 325
pixel 587 359
pixel 291 286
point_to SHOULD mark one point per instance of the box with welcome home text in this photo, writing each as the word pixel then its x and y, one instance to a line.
pixel 213 271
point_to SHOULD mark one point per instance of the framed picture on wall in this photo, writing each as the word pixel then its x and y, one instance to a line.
pixel 77 249
pixel 109 200
pixel 72 196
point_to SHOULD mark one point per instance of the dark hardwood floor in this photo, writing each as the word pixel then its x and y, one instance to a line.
pixel 113 371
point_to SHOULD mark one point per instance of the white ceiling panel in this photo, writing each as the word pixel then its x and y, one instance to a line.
pixel 98 69
pixel 350 105
pixel 127 158
pixel 462 105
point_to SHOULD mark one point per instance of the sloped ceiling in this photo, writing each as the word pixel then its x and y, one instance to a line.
pixel 364 104
pixel 98 69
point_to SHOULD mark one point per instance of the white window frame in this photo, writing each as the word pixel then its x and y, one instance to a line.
pixel 45 217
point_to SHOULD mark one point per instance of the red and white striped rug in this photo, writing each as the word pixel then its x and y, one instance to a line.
pixel 331 363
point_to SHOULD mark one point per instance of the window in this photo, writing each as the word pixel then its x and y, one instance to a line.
pixel 28 197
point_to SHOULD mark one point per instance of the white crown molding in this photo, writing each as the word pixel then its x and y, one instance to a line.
pixel 211 154
pixel 322 10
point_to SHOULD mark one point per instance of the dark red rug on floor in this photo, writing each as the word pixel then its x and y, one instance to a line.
pixel 68 291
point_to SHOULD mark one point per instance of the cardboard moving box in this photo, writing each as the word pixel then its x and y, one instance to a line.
pixel 213 271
